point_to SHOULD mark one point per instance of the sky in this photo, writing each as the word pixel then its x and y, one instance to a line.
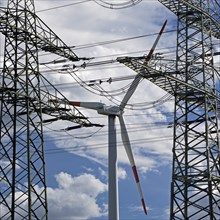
pixel 77 160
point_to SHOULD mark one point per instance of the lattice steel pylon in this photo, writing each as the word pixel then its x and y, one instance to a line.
pixel 23 186
pixel 22 163
pixel 195 188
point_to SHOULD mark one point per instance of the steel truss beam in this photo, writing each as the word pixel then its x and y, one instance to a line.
pixel 43 37
pixel 47 106
pixel 168 79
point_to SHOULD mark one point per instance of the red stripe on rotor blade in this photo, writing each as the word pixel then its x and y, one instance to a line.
pixel 74 103
pixel 135 174
pixel 143 204
pixel 149 56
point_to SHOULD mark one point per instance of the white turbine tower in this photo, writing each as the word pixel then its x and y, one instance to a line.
pixel 112 112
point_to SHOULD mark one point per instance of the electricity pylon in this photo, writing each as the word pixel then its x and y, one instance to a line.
pixel 195 187
pixel 22 164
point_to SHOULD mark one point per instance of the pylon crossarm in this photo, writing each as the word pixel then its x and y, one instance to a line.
pixel 43 37
pixel 196 11
pixel 48 106
pixel 61 110
pixel 195 190
pixel 167 81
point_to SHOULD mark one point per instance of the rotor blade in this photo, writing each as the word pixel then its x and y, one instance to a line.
pixel 90 105
pixel 126 142
pixel 130 91
pixel 149 56
pixel 138 77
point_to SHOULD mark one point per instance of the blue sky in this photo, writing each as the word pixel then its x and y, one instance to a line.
pixel 76 162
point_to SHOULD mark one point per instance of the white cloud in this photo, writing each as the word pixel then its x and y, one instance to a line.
pixel 122 174
pixel 88 169
pixel 135 208
pixel 73 198
pixel 76 197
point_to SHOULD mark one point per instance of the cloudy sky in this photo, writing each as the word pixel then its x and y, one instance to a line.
pixel 77 160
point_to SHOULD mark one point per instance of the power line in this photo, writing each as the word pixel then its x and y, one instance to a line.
pixel 76 3
pixel 104 145
pixel 63 6
pixel 84 46
pixel 133 129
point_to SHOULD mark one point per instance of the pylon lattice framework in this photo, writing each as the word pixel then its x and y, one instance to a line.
pixel 22 164
pixel 195 189
pixel 23 175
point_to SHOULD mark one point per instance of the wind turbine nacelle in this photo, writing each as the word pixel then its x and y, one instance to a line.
pixel 109 110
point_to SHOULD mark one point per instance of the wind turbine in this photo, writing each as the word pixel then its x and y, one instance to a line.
pixel 112 112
